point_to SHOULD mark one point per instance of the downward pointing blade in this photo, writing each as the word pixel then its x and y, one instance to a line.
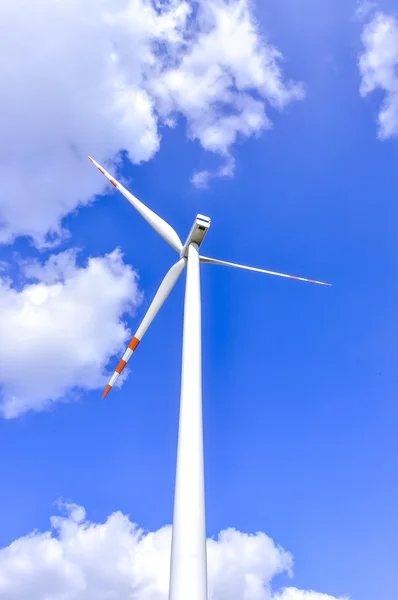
pixel 215 261
pixel 159 225
pixel 164 290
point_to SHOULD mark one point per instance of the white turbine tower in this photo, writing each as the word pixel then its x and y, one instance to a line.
pixel 188 569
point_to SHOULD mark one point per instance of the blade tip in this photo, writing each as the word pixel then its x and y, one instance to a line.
pixel 106 391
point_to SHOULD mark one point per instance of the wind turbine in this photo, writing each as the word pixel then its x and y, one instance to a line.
pixel 188 568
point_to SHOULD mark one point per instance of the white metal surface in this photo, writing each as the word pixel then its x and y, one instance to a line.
pixel 197 233
pixel 215 261
pixel 164 290
pixel 159 225
pixel 188 571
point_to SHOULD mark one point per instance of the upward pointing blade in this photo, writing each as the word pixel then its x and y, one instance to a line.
pixel 159 225
pixel 164 290
pixel 215 261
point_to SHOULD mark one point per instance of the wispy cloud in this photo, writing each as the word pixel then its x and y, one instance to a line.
pixel 365 9
pixel 201 179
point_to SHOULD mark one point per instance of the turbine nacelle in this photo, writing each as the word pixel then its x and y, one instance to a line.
pixel 197 233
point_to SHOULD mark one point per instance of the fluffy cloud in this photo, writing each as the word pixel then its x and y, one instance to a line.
pixel 61 328
pixel 100 77
pixel 227 61
pixel 292 593
pixel 378 66
pixel 79 560
pixel 67 91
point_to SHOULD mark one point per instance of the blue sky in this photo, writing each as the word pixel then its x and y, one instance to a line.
pixel 299 381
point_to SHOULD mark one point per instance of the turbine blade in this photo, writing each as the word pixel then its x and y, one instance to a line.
pixel 164 290
pixel 215 261
pixel 164 229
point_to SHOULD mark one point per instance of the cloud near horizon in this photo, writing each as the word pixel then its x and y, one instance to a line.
pixel 81 560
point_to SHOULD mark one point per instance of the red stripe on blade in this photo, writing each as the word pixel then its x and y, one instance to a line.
pixel 134 343
pixel 121 366
pixel 113 182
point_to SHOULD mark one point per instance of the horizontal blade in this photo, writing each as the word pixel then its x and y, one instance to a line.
pixel 215 261
pixel 164 290
pixel 159 225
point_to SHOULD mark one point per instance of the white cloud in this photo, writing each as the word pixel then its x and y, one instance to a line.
pixel 200 179
pixel 221 69
pixel 80 560
pixel 67 92
pixel 378 66
pixel 98 77
pixel 295 594
pixel 61 328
